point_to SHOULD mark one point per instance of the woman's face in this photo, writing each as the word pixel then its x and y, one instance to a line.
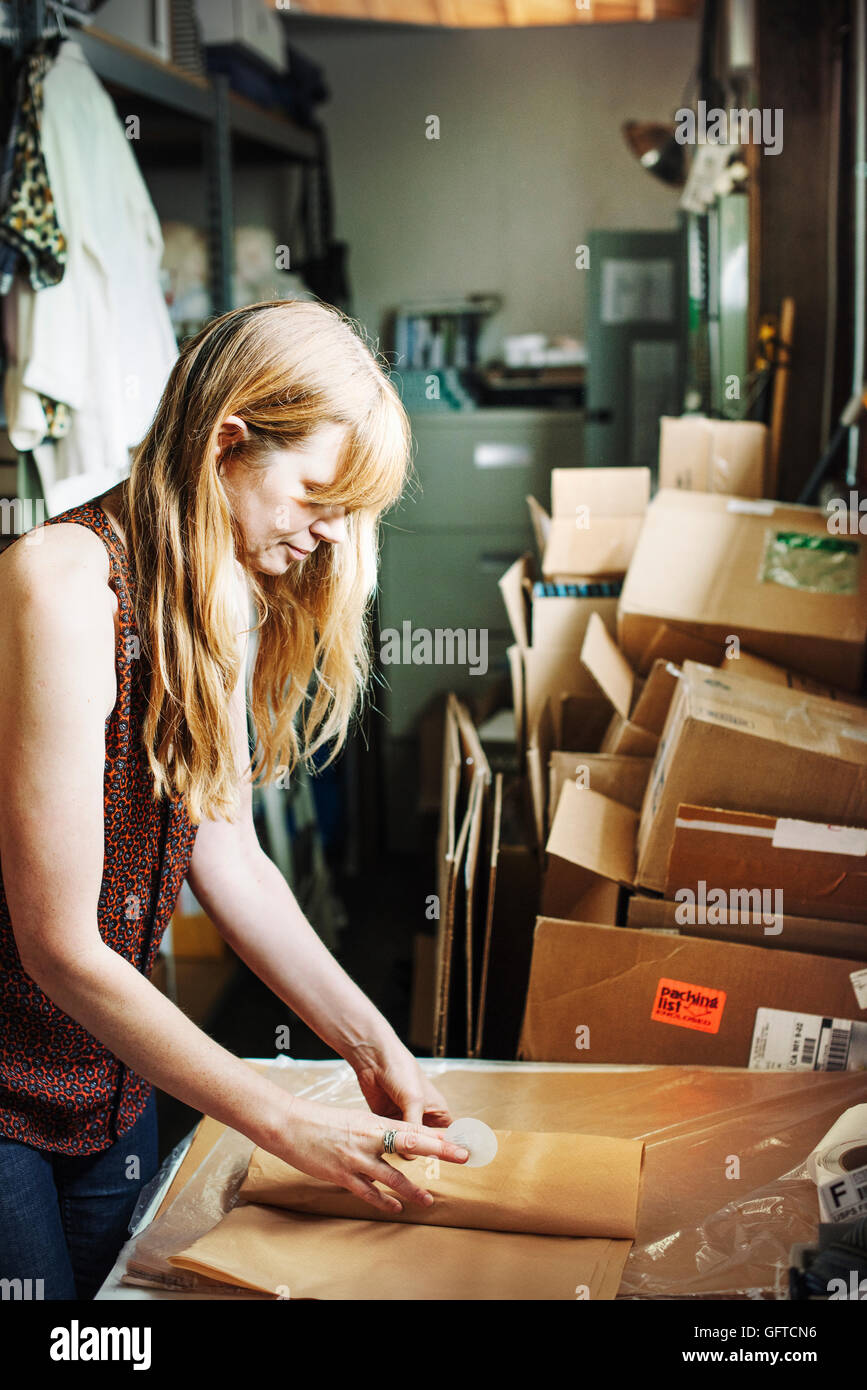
pixel 280 525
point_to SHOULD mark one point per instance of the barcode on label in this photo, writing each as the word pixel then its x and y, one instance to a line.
pixel 808 1052
pixel 838 1050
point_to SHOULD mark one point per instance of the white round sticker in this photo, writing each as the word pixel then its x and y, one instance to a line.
pixel 476 1136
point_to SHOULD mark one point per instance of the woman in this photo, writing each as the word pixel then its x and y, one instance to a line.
pixel 277 444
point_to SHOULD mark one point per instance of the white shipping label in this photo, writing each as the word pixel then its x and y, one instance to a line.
pixel 859 984
pixel 747 507
pixel 830 839
pixel 843 1196
pixel 784 1041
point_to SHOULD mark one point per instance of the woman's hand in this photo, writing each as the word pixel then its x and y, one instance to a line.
pixel 393 1084
pixel 346 1147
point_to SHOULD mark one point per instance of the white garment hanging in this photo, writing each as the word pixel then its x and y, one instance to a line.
pixel 101 340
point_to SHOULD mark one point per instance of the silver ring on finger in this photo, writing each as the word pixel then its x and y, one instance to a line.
pixel 388 1141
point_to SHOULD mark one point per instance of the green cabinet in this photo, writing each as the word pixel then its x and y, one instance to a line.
pixel 463 520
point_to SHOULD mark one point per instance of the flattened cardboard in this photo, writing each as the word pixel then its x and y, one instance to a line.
pixel 607 980
pixel 745 854
pixel 750 745
pixel 701 455
pixel 496 826
pixel 697 567
pixel 475 759
pixel 459 808
pixel 810 934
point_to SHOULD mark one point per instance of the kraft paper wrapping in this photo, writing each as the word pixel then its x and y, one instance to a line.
pixel 288 1255
pixel 552 1217
pixel 538 1184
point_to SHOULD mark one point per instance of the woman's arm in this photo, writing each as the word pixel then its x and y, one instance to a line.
pixel 57 687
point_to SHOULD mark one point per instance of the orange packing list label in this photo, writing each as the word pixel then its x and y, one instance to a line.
pixel 688 1006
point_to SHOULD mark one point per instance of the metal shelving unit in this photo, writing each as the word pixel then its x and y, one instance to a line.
pixel 216 125
pixel 228 124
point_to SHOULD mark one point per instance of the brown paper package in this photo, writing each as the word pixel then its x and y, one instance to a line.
pixel 552 1217
pixel 538 1184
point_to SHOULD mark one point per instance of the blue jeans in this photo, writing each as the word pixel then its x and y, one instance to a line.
pixel 64 1218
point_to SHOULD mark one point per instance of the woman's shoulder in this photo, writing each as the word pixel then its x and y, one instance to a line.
pixel 58 564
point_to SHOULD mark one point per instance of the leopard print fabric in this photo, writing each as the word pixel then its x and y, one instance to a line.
pixel 60 1089
pixel 30 236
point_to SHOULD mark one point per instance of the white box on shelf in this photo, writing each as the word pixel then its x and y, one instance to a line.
pixel 143 23
pixel 251 24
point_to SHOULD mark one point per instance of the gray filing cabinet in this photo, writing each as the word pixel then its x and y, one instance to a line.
pixel 461 523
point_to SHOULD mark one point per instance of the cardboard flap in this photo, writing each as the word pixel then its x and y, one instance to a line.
pixel 667 643
pixel 603 491
pixel 605 547
pixel 620 778
pixel 550 672
pixel 654 698
pixel 474 755
pixel 595 833
pixel 541 523
pixel 512 586
pixel 602 657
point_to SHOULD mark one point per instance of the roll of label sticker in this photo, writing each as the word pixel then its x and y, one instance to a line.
pixel 479 1139
pixel 838 1167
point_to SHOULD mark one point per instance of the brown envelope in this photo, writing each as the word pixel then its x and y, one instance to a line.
pixel 288 1255
pixel 538 1184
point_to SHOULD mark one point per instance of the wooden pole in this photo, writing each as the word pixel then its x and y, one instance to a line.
pixel 783 352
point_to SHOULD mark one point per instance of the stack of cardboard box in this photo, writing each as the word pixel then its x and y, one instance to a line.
pixel 697 769
pixel 722 917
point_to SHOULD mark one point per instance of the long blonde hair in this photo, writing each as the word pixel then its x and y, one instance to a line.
pixel 285 368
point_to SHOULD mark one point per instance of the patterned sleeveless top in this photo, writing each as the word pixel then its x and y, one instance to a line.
pixel 61 1089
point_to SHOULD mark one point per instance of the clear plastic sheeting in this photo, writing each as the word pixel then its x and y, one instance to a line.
pixel 725 1191
pixel 813 564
